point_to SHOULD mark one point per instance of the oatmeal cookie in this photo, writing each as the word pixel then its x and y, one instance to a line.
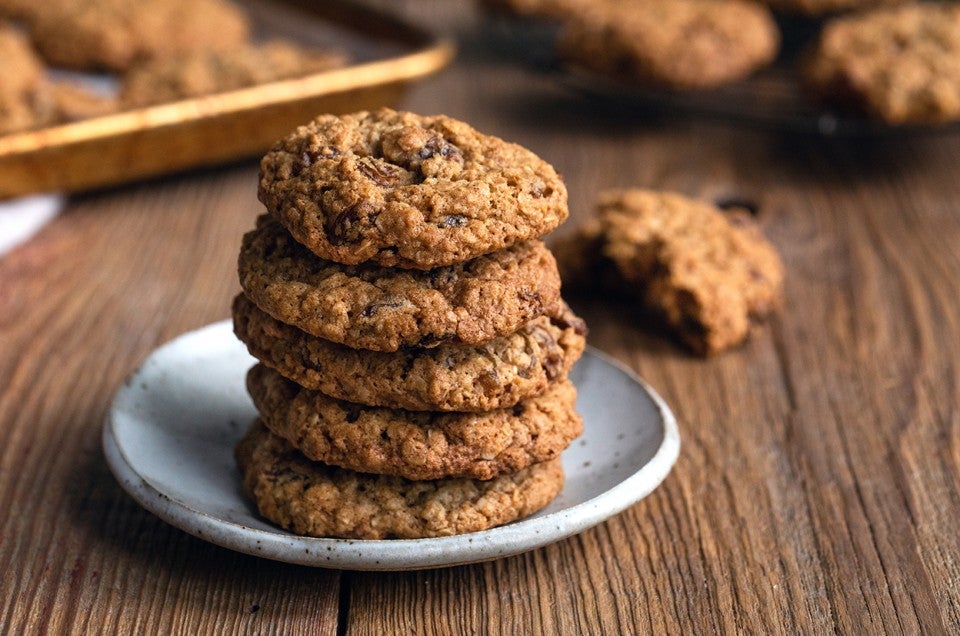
pixel 672 44
pixel 310 498
pixel 706 272
pixel 494 375
pixel 416 444
pixel 407 191
pixel 207 72
pixel 900 65
pixel 113 34
pixel 383 309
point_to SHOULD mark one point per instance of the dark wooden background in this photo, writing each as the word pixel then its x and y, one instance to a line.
pixel 817 487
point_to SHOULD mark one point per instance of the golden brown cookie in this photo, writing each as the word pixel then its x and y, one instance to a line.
pixel 207 72
pixel 416 444
pixel 402 190
pixel 900 65
pixel 383 309
pixel 673 44
pixel 497 374
pixel 310 498
pixel 705 272
pixel 113 34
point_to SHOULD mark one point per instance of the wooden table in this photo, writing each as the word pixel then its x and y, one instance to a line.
pixel 817 488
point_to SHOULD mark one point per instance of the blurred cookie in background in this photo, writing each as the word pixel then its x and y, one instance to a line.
pixel 673 44
pixel 213 71
pixel 900 65
pixel 114 34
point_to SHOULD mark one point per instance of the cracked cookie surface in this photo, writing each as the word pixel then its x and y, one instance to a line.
pixel 705 272
pixel 383 309
pixel 497 374
pixel 403 190
pixel 416 444
pixel 310 498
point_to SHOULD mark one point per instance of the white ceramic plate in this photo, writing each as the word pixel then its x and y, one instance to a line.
pixel 170 434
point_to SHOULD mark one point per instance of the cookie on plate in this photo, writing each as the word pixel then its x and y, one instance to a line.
pixel 672 44
pixel 416 444
pixel 705 272
pixel 404 190
pixel 310 498
pixel 207 72
pixel 497 374
pixel 383 309
pixel 900 65
pixel 113 34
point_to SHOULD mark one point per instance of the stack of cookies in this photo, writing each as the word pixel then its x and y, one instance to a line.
pixel 413 345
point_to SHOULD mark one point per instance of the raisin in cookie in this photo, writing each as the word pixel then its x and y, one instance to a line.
pixel 207 72
pixel 497 374
pixel 383 309
pixel 673 44
pixel 416 444
pixel 705 272
pixel 113 34
pixel 900 65
pixel 310 498
pixel 407 191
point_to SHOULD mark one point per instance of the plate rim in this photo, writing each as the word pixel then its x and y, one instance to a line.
pixel 394 554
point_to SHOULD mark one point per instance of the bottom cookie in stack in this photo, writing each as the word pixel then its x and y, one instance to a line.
pixel 315 499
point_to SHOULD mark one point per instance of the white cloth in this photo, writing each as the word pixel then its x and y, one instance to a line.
pixel 22 218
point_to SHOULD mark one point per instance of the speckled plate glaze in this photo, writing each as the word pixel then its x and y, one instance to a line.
pixel 170 433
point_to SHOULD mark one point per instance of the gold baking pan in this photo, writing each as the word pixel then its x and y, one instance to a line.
pixel 386 56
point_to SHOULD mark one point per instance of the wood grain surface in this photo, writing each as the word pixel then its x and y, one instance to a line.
pixel 818 487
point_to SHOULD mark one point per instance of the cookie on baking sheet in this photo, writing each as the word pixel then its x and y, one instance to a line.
pixel 113 34
pixel 823 7
pixel 383 309
pixel 706 272
pixel 672 44
pixel 497 374
pixel 403 190
pixel 416 444
pixel 207 72
pixel 310 498
pixel 901 65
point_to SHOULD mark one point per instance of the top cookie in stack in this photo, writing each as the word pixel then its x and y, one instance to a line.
pixel 414 347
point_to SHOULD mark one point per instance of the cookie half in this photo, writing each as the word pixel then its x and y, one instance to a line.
pixel 383 309
pixel 402 190
pixel 310 498
pixel 497 374
pixel 707 273
pixel 416 444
